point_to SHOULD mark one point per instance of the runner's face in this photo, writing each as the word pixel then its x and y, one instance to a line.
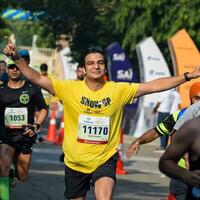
pixel 14 73
pixel 80 73
pixel 195 98
pixel 95 66
pixel 2 68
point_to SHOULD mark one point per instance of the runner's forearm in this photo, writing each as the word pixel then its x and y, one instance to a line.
pixel 147 137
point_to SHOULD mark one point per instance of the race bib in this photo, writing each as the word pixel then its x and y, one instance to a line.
pixel 15 117
pixel 93 130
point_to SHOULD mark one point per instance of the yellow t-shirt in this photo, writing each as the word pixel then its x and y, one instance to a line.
pixel 48 98
pixel 92 121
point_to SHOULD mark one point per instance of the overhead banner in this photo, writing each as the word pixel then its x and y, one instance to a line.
pixel 120 69
pixel 152 65
pixel 185 56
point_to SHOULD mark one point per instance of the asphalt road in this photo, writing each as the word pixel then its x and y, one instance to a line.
pixel 46 177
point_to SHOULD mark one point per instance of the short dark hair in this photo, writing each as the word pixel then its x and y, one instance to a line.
pixel 4 62
pixel 43 67
pixel 79 66
pixel 93 50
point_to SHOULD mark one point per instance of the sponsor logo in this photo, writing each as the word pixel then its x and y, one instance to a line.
pixel 156 73
pixel 118 56
pixel 153 58
pixel 24 98
pixel 125 74
pixel 151 104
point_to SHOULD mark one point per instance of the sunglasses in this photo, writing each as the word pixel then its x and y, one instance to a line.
pixel 13 67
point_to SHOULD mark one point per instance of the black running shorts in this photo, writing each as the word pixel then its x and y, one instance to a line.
pixel 77 183
pixel 24 145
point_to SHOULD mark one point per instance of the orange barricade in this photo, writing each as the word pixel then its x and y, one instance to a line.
pixel 51 135
pixel 120 164
pixel 61 131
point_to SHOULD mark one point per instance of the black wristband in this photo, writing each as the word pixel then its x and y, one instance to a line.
pixel 16 58
pixel 37 126
pixel 186 76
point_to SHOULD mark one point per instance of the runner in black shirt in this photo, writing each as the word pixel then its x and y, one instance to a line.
pixel 18 101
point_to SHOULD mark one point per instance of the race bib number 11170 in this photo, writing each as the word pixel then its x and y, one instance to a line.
pixel 93 130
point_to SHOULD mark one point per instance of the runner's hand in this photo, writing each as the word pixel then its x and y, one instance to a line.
pixel 29 130
pixel 10 49
pixel 195 73
pixel 133 149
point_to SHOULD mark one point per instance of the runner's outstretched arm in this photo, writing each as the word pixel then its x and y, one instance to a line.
pixel 28 72
pixel 162 84
pixel 146 137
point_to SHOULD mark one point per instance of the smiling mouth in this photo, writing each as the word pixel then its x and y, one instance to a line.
pixel 96 72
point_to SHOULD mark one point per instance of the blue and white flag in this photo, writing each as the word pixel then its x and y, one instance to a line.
pixel 120 68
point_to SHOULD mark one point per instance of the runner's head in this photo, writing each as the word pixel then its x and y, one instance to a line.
pixel 94 61
pixel 3 66
pixel 93 50
pixel 44 69
pixel 25 55
pixel 80 72
pixel 13 72
pixel 194 92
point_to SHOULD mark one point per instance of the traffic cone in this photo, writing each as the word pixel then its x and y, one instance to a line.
pixel 171 196
pixel 61 132
pixel 51 135
pixel 120 165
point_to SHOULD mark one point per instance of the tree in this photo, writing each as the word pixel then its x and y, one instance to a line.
pixel 84 21
pixel 4 27
pixel 159 19
pixel 101 22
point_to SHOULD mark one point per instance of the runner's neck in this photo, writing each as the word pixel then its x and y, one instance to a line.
pixel 94 85
pixel 15 84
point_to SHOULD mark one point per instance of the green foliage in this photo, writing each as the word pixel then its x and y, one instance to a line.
pixel 27 28
pixel 4 25
pixel 4 31
pixel 45 38
pixel 159 19
pixel 95 26
pixel 101 22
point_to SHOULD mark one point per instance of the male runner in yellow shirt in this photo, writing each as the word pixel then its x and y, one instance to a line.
pixel 93 112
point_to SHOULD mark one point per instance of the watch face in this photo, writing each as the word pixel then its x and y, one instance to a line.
pixel 186 76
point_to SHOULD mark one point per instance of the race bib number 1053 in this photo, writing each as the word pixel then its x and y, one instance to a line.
pixel 15 117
